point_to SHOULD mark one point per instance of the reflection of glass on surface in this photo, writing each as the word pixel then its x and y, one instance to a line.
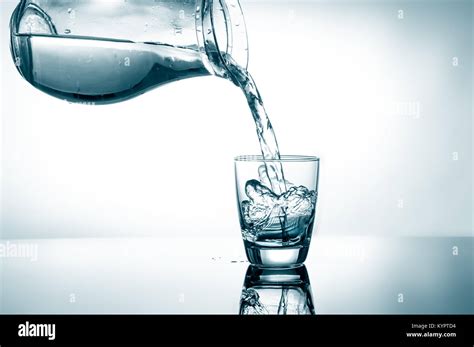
pixel 276 291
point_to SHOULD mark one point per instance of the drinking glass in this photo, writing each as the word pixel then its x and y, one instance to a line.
pixel 277 227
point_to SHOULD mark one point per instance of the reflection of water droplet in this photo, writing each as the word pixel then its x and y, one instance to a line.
pixel 67 31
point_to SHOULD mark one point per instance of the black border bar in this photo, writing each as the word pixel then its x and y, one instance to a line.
pixel 224 329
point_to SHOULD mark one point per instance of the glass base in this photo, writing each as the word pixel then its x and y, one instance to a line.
pixel 276 257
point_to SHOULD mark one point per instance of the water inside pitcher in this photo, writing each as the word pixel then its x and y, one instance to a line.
pixel 99 52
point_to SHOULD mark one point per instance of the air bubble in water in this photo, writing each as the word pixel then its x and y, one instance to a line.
pixel 263 204
pixel 67 31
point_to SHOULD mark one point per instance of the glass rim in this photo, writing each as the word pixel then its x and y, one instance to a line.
pixel 283 158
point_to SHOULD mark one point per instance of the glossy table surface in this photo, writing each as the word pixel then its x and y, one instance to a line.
pixel 156 275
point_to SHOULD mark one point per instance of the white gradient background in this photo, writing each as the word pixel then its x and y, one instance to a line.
pixel 331 73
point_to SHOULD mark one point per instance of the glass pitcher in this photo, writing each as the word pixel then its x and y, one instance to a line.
pixel 105 51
